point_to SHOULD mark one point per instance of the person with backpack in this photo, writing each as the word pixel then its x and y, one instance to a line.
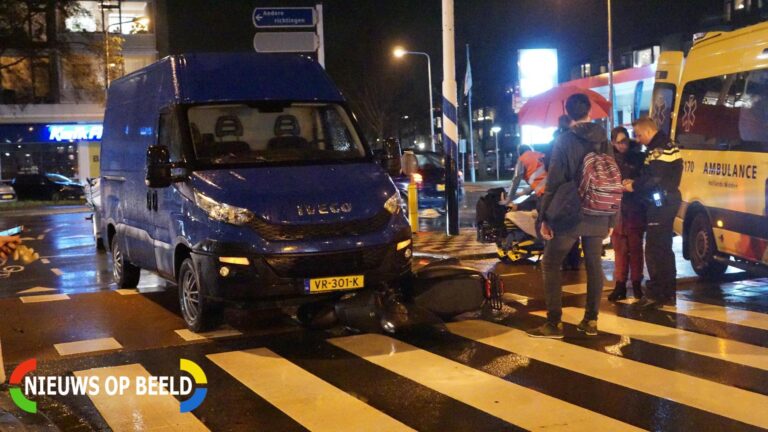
pixel 627 238
pixel 659 185
pixel 582 195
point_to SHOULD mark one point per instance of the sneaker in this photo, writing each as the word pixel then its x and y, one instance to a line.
pixel 647 303
pixel 671 302
pixel 547 330
pixel 588 326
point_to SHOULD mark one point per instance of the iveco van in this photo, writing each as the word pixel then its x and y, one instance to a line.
pixel 244 177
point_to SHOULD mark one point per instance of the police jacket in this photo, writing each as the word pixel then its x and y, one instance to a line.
pixel 662 169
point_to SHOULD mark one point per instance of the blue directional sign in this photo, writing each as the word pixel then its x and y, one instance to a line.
pixel 280 17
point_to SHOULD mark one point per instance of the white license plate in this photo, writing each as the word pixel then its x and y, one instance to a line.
pixel 337 283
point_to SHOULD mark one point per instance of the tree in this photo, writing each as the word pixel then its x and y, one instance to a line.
pixel 34 52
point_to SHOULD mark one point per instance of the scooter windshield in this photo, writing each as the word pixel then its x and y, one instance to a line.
pixel 247 134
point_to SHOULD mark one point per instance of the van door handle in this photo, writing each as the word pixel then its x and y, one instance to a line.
pixel 149 200
pixel 154 200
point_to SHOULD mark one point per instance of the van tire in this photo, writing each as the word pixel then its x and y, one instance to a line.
pixel 125 274
pixel 702 248
pixel 198 312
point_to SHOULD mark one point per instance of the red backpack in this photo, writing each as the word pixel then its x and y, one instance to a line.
pixel 600 188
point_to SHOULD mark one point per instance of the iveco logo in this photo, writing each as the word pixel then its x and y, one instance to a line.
pixel 321 209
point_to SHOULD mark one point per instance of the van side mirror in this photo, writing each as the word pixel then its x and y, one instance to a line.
pixel 158 167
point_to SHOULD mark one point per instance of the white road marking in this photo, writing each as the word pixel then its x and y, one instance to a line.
pixel 129 412
pixel 709 396
pixel 128 291
pixel 87 346
pixel 57 272
pixel 35 290
pixel 710 346
pixel 718 313
pixel 307 399
pixel 220 333
pixel 513 403
pixel 44 261
pixel 43 298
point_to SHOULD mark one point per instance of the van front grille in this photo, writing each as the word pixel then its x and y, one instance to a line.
pixel 291 232
pixel 327 264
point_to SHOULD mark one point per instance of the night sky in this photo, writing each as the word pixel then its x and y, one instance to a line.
pixel 360 35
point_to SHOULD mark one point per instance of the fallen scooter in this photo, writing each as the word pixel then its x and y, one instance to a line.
pixel 436 293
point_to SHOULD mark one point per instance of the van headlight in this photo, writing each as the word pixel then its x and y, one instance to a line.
pixel 223 212
pixel 394 203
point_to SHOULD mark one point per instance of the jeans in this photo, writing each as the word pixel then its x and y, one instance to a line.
pixel 629 255
pixel 554 253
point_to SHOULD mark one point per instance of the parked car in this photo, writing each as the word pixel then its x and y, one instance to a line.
pixel 7 193
pixel 258 190
pixel 430 181
pixel 48 186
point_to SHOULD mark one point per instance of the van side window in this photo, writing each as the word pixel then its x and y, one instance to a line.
pixel 169 135
pixel 726 112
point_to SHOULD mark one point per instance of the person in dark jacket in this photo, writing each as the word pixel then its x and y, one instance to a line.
pixel 567 157
pixel 659 185
pixel 627 238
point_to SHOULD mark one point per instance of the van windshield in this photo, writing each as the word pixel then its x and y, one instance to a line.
pixel 234 134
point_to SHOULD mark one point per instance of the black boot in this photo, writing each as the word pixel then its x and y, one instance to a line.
pixel 637 289
pixel 619 292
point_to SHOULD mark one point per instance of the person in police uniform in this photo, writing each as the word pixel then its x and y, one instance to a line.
pixel 658 184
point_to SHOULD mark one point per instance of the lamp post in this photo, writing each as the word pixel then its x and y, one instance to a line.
pixel 495 131
pixel 399 53
pixel 144 21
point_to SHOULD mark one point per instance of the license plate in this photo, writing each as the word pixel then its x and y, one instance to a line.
pixel 441 188
pixel 337 283
pixel 9 196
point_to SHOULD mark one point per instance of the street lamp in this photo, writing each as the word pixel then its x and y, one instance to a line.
pixel 141 20
pixel 495 131
pixel 399 52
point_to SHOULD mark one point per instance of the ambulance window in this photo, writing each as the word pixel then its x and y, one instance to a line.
pixel 663 102
pixel 753 118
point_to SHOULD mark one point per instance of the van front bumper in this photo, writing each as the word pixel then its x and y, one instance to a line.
pixel 280 279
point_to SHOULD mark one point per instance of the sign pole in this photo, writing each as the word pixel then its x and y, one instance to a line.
pixel 320 36
pixel 471 133
pixel 450 130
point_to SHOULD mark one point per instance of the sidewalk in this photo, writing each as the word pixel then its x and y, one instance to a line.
pixel 437 244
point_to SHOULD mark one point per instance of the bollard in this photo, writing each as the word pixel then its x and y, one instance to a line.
pixel 413 205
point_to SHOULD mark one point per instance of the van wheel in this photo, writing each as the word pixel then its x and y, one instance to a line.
pixel 198 313
pixel 125 274
pixel 702 248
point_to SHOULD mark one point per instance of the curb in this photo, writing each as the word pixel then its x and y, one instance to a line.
pixel 43 211
pixel 477 256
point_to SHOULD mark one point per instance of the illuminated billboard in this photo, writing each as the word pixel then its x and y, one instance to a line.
pixel 537 69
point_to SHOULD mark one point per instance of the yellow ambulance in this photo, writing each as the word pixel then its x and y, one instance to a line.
pixel 714 104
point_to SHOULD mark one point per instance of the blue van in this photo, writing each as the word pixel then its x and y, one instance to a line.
pixel 244 178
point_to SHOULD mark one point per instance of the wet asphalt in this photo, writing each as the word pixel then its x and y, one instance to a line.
pixel 145 324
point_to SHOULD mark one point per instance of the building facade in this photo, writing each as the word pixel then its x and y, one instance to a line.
pixel 54 78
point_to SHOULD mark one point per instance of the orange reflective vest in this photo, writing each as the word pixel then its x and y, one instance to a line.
pixel 535 173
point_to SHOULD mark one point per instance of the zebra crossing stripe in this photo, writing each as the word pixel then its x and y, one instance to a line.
pixel 718 313
pixel 511 402
pixel 307 399
pixel 129 412
pixel 710 346
pixel 708 396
